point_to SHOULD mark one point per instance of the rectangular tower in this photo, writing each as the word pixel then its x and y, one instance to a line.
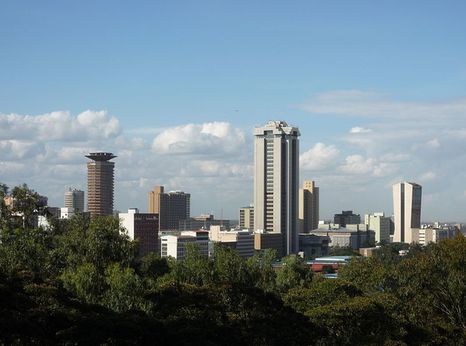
pixel 309 206
pixel 74 199
pixel 276 179
pixel 172 207
pixel 100 183
pixel 407 210
pixel 246 218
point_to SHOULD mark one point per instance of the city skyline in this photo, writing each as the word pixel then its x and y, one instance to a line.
pixel 377 91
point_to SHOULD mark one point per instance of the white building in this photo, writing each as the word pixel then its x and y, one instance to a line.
pixel 175 245
pixel 276 179
pixel 241 241
pixel 407 210
pixel 380 224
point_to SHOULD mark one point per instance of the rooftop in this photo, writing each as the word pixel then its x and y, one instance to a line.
pixel 100 156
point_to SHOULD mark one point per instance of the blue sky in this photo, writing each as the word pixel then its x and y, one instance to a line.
pixel 352 75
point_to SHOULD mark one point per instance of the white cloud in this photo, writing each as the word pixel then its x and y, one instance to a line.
pixel 356 164
pixel 427 176
pixel 320 156
pixel 59 126
pixel 358 129
pixel 203 139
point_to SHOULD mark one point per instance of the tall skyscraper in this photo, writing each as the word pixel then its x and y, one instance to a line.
pixel 74 199
pixel 309 206
pixel 172 207
pixel 100 183
pixel 276 179
pixel 407 210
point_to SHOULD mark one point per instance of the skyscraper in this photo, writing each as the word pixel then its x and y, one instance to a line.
pixel 276 179
pixel 172 207
pixel 309 206
pixel 100 183
pixel 74 199
pixel 407 210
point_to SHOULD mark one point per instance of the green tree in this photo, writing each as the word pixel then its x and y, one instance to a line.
pixel 294 273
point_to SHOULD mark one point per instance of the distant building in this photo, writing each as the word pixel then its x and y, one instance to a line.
pixel 354 236
pixel 246 218
pixel 143 227
pixel 263 241
pixel 346 217
pixel 74 199
pixel 175 245
pixel 172 207
pixel 276 180
pixel 309 206
pixel 407 210
pixel 380 224
pixel 313 245
pixel 428 235
pixel 66 213
pixel 241 241
pixel 100 183
pixel 204 222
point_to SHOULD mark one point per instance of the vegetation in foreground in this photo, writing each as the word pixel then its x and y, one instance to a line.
pixel 80 281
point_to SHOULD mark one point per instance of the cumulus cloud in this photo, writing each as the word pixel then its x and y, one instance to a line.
pixel 202 139
pixel 320 156
pixel 59 126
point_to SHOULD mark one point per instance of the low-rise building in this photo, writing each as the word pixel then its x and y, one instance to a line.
pixel 271 240
pixel 175 245
pixel 313 245
pixel 143 227
pixel 240 240
pixel 353 235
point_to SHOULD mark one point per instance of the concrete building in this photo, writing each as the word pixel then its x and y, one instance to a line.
pixel 346 217
pixel 204 221
pixel 380 224
pixel 426 235
pixel 309 206
pixel 143 227
pixel 407 210
pixel 354 236
pixel 276 179
pixel 175 245
pixel 313 245
pixel 246 218
pixel 74 199
pixel 66 213
pixel 100 183
pixel 172 207
pixel 241 241
pixel 263 241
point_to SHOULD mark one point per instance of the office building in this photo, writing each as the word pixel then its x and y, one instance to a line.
pixel 172 207
pixel 276 179
pixel 309 206
pixel 176 245
pixel 240 241
pixel 353 235
pixel 100 183
pixel 246 218
pixel 380 224
pixel 203 221
pixel 346 218
pixel 312 245
pixel 407 210
pixel 74 199
pixel 272 240
pixel 143 227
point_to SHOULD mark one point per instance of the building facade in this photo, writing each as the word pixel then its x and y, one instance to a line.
pixel 309 206
pixel 246 218
pixel 143 227
pixel 346 218
pixel 100 183
pixel 74 199
pixel 172 207
pixel 407 210
pixel 380 224
pixel 176 245
pixel 276 179
pixel 241 241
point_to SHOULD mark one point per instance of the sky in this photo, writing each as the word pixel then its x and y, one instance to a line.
pixel 175 88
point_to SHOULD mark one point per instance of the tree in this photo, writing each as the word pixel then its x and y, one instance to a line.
pixel 294 273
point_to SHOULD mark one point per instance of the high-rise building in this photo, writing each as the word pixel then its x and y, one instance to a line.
pixel 246 218
pixel 172 207
pixel 407 210
pixel 380 224
pixel 346 218
pixel 74 199
pixel 276 179
pixel 100 183
pixel 143 227
pixel 309 206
